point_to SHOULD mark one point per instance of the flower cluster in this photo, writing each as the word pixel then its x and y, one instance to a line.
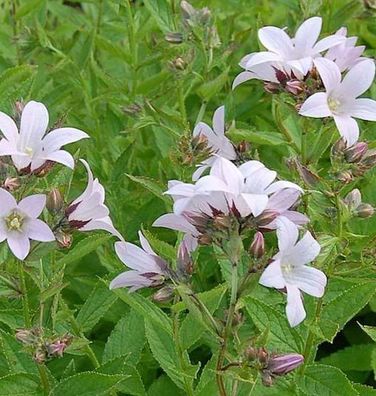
pixel 312 71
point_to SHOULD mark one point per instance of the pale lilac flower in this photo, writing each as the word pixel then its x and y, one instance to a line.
pixel 340 99
pixel 19 222
pixel 346 54
pixel 31 146
pixel 217 142
pixel 88 212
pixel 290 54
pixel 289 269
pixel 147 268
pixel 283 364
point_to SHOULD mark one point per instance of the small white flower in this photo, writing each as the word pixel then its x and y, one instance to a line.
pixel 148 269
pixel 88 212
pixel 345 55
pixel 289 269
pixel 31 146
pixel 292 56
pixel 340 99
pixel 216 141
pixel 19 222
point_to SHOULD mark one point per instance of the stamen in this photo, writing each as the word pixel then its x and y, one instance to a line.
pixel 14 221
pixel 333 104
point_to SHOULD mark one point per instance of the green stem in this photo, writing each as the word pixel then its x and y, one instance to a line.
pixel 339 216
pixel 13 4
pixel 25 298
pixel 228 327
pixel 285 131
pixel 132 45
pixel 201 112
pixel 183 111
pixel 175 318
pixel 44 379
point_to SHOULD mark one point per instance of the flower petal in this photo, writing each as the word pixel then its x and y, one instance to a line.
pixel 8 128
pixel 38 230
pixel 316 106
pixel 281 184
pixel 287 234
pixel 175 222
pixel 219 121
pixel 348 128
pixel 308 279
pixel 226 171
pixel 19 244
pixel 276 40
pixel 256 202
pixel 283 199
pixel 131 279
pixel 60 137
pixel 329 73
pixel 262 57
pixel 305 251
pixel 243 77
pixel 145 244
pixel 62 157
pixel 103 224
pixel 294 309
pixel 33 205
pixel 358 79
pixel 308 33
pixel 272 276
pixel 328 42
pixel 365 109
pixel 8 203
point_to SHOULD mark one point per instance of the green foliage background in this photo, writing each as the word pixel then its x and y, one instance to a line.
pixel 104 66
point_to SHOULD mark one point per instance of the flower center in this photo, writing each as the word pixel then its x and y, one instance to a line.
pixel 333 104
pixel 287 268
pixel 14 221
pixel 29 151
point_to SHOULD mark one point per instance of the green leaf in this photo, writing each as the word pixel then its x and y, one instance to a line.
pixel 364 390
pixel 281 336
pixel 345 306
pixel 324 380
pixel 211 88
pixel 127 338
pixel 354 357
pixel 164 351
pixel 160 10
pixel 12 318
pixel 257 137
pixel 193 326
pixel 83 248
pixel 151 185
pixel 20 384
pixel 87 384
pixel 370 330
pixel 96 305
pixel 208 384
pixel 146 308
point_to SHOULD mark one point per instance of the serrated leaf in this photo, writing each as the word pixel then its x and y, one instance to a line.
pixel 346 305
pixel 370 330
pixel 83 248
pixel 354 357
pixel 151 185
pixel 20 384
pixel 160 11
pixel 364 390
pixel 96 305
pixel 87 384
pixel 319 379
pixel 164 351
pixel 281 336
pixel 211 88
pixel 127 338
pixel 257 137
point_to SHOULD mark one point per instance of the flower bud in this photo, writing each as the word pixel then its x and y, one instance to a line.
pixel 243 147
pixel 310 178
pixel 271 88
pixel 40 356
pixel 25 336
pixel 266 378
pixel 356 152
pixel 187 10
pixel 184 261
pixel 345 177
pixel 64 240
pixel 353 199
pixel 11 183
pixel 178 63
pixel 54 201
pixel 295 87
pixel 204 239
pixel 338 147
pixel 174 37
pixel 164 294
pixel 257 248
pixel 364 210
pixel 251 353
pixel 222 222
pixel 369 159
pixel 283 364
pixel 266 217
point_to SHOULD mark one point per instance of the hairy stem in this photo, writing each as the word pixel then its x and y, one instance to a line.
pixel 25 298
pixel 44 378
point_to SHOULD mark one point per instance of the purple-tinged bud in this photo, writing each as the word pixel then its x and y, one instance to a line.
pixel 184 261
pixel 365 210
pixel 257 248
pixel 295 87
pixel 63 239
pixel 187 10
pixel 205 239
pixel 338 147
pixel 40 356
pixel 266 217
pixel 54 202
pixel 57 348
pixel 243 147
pixel 263 355
pixel 165 294
pixel 281 76
pixel 266 378
pixel 283 364
pixel 251 353
pixel 353 199
pixel 310 178
pixel 11 183
pixel 345 177
pixel 369 159
pixel 356 152
pixel 174 37
pixel 222 222
pixel 271 88
pixel 27 337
